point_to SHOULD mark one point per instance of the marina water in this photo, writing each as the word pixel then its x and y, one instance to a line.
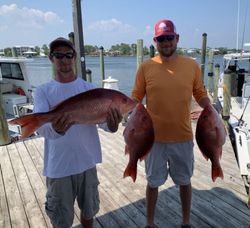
pixel 122 68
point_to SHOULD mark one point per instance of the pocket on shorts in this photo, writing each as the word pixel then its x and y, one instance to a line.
pixel 52 208
pixel 90 201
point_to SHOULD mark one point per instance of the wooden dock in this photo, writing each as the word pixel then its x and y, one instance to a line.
pixel 22 190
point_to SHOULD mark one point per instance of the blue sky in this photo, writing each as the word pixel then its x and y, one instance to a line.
pixel 107 22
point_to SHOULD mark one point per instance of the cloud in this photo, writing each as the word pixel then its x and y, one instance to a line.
pixel 111 25
pixel 11 15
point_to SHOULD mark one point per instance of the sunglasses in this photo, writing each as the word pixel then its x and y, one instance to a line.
pixel 161 39
pixel 58 55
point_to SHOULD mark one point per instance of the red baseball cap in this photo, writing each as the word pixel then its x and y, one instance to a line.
pixel 164 27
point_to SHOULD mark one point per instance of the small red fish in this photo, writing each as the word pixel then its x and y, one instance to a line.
pixel 89 107
pixel 139 138
pixel 210 137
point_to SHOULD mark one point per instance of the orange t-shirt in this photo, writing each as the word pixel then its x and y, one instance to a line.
pixel 169 87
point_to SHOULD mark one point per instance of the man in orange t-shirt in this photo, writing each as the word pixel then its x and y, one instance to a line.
pixel 169 81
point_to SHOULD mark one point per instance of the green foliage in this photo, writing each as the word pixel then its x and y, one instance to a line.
pixel 7 52
pixel 46 49
pixel 89 49
pixel 37 50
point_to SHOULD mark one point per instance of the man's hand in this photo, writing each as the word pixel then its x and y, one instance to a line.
pixel 62 123
pixel 114 117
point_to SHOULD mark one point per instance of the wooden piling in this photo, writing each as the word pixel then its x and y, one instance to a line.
pixel 88 75
pixel 102 64
pixel 216 81
pixel 4 130
pixel 139 52
pixel 71 37
pixel 210 75
pixel 78 38
pixel 203 54
pixel 152 51
pixel 226 94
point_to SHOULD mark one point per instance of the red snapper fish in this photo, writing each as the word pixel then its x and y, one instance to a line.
pixel 139 138
pixel 210 137
pixel 89 107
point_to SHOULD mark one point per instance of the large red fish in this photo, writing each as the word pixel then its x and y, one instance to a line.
pixel 210 136
pixel 139 138
pixel 85 108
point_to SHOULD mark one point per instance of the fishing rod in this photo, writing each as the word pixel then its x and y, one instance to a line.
pixel 240 120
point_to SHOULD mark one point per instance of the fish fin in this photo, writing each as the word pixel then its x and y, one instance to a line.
pixel 144 157
pixel 204 156
pixel 217 172
pixel 29 123
pixel 131 171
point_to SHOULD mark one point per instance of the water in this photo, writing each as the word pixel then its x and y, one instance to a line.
pixel 121 68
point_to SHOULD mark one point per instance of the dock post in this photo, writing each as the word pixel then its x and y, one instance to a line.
pixel 152 51
pixel 71 37
pixel 78 38
pixel 216 81
pixel 4 130
pixel 88 75
pixel 139 52
pixel 226 94
pixel 203 54
pixel 210 78
pixel 102 64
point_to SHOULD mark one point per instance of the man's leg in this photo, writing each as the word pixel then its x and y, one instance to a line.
pixel 186 196
pixel 86 223
pixel 151 199
pixel 88 196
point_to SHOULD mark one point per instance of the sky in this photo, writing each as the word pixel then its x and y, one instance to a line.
pixel 110 22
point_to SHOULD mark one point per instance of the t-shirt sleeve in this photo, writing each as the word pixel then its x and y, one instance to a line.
pixel 139 88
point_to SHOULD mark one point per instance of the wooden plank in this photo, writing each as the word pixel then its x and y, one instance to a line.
pixel 135 192
pixel 17 213
pixel 29 200
pixel 222 201
pixel 218 204
pixel 4 215
pixel 35 148
pixel 120 201
pixel 36 157
pixel 35 179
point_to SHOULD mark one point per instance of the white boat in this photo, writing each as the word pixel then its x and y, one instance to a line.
pixel 16 91
pixel 237 69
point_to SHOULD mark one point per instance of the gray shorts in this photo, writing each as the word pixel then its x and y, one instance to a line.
pixel 175 159
pixel 61 195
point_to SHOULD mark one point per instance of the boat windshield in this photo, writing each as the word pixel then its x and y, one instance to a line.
pixel 237 62
pixel 11 71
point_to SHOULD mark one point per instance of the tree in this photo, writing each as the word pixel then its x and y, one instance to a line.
pixel 46 49
pixel 89 49
pixel 7 52
pixel 37 50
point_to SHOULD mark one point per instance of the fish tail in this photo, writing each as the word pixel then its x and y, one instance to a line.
pixel 29 123
pixel 217 172
pixel 131 171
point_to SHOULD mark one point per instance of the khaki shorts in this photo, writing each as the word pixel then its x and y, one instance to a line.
pixel 61 195
pixel 175 159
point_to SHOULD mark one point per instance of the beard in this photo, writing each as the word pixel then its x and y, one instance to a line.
pixel 167 51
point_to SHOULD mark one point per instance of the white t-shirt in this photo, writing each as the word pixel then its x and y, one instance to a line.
pixel 79 149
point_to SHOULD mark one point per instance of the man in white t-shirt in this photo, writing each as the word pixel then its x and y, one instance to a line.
pixel 71 152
